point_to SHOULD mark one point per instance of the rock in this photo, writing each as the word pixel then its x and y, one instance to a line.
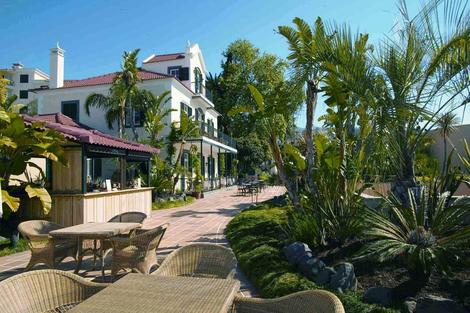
pixel 408 306
pixel 435 304
pixel 297 251
pixel 379 295
pixel 324 277
pixel 344 279
pixel 310 266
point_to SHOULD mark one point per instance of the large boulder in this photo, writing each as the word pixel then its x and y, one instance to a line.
pixel 310 266
pixel 379 295
pixel 435 304
pixel 344 279
pixel 297 252
pixel 324 277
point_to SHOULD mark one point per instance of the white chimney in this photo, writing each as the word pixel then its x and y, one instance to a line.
pixel 56 67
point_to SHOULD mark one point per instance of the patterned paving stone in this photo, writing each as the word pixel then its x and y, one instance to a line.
pixel 201 221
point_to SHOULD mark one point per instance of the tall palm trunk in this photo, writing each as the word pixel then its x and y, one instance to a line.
pixel 311 103
pixel 122 118
pixel 444 163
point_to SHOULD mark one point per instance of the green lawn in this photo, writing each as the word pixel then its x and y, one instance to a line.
pixel 257 236
pixel 172 204
pixel 6 250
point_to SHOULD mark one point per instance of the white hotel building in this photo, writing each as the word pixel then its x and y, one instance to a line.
pixel 183 74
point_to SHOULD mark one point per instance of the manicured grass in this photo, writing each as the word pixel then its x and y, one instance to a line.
pixel 257 236
pixel 6 250
pixel 172 204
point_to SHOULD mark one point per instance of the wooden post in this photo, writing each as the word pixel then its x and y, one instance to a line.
pixel 123 172
pixel 84 168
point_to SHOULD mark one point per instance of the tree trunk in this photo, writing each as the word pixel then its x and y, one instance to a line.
pixel 134 131
pixel 444 163
pixel 311 103
pixel 122 120
pixel 288 183
pixel 177 176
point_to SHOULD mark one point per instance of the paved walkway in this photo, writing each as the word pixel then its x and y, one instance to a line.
pixel 202 221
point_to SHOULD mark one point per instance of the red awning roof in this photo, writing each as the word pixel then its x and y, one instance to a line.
pixel 83 134
pixel 108 79
pixel 166 57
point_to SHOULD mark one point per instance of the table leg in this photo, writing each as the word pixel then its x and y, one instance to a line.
pixel 79 255
pixel 102 257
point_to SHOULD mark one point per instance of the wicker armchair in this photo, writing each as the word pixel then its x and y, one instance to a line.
pixel 309 301
pixel 137 252
pixel 45 249
pixel 126 217
pixel 200 260
pixel 45 291
pixel 129 217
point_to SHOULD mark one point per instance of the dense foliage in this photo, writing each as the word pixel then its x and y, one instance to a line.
pixel 19 143
pixel 244 65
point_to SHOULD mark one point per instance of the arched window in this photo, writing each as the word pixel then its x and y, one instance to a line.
pixel 200 116
pixel 198 80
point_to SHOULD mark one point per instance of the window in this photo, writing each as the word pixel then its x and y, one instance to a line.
pixel 138 115
pixel 197 80
pixel 101 169
pixel 200 116
pixel 186 108
pixel 174 71
pixel 24 78
pixel 210 127
pixel 23 94
pixel 70 109
pixel 136 169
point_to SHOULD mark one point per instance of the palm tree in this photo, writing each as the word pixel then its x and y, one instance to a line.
pixel 303 45
pixel 420 75
pixel 446 123
pixel 155 115
pixel 180 133
pixel 121 94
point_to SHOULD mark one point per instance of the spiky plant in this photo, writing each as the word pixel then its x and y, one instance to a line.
pixel 427 234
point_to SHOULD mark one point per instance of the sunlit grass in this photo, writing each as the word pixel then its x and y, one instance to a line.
pixel 5 248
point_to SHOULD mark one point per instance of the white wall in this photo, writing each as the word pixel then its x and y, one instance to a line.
pixel 455 140
pixel 36 80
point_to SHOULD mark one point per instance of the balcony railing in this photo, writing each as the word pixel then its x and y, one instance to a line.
pixel 213 133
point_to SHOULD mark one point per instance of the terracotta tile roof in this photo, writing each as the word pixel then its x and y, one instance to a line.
pixel 166 57
pixel 108 79
pixel 81 133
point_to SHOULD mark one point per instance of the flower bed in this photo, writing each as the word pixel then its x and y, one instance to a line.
pixel 257 236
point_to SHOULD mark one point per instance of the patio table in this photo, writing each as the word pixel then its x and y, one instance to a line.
pixel 162 294
pixel 93 231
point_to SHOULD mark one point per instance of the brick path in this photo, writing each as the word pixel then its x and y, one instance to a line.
pixel 202 221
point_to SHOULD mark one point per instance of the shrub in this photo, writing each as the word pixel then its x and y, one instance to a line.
pixel 172 204
pixel 257 236
pixel 426 230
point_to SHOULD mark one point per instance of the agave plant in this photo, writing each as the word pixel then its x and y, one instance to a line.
pixel 426 233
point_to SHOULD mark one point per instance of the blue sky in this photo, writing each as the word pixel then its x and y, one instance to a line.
pixel 95 33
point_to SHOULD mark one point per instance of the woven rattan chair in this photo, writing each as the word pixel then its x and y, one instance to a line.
pixel 45 249
pixel 309 301
pixel 137 252
pixel 129 217
pixel 199 260
pixel 126 217
pixel 45 291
